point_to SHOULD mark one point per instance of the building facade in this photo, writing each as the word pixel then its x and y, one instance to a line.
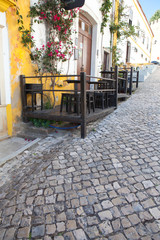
pixel 155 25
pixel 136 50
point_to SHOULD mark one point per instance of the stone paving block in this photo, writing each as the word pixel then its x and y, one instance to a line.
pixel 69 236
pixel 134 219
pixel 38 231
pixel 9 234
pixel 118 236
pixel 92 232
pixel 10 211
pixel 116 225
pixel 131 234
pixel 104 215
pixel 148 203
pixel 142 230
pixel 152 227
pixel 79 234
pixel 125 223
pixel 106 204
pixel 147 184
pixel 92 220
pixel 127 209
pixel 16 219
pixel 23 233
pixel 155 212
pixel 71 225
pixel 60 227
pixel 105 228
pixel 2 233
pixel 50 229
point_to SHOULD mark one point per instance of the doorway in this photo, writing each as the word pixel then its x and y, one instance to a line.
pixel 84 45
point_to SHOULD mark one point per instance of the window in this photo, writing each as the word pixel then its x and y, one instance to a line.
pixel 130 17
pixel 85 26
pixel 130 22
pixel 106 61
pixel 143 41
pixel 135 49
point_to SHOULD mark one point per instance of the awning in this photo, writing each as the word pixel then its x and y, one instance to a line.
pixel 5 4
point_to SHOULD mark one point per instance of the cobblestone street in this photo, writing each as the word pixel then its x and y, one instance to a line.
pixel 106 186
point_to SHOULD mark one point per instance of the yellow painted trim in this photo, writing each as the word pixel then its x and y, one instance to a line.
pixel 115 21
pixel 143 18
pixel 5 4
pixel 139 46
pixel 9 119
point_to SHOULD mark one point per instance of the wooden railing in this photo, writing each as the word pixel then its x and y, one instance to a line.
pixel 84 89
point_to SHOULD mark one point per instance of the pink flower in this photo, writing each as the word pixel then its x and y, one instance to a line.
pixel 32 37
pixel 42 13
pixel 50 54
pixel 59 28
pixel 58 18
pixel 55 17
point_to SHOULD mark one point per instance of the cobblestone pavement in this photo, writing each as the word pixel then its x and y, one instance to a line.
pixel 104 187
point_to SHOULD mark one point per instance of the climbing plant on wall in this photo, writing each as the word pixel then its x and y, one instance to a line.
pixel 123 30
pixel 105 9
pixel 59 45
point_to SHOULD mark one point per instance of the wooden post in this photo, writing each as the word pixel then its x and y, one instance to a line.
pixel 131 81
pixel 137 80
pixel 126 83
pixel 83 104
pixel 23 96
pixel 116 86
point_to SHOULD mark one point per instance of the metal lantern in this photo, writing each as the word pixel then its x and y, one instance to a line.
pixel 70 4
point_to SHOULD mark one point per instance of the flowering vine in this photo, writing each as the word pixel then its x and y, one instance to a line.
pixel 59 46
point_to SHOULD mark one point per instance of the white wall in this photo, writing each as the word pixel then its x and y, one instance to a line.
pixel 92 12
pixel 140 52
pixel 5 62
pixel 156 41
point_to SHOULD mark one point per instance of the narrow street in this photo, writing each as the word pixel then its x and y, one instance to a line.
pixel 106 186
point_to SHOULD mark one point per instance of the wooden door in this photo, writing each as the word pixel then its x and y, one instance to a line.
pixel 84 45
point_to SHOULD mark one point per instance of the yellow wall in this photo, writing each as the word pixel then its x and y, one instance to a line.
pixel 19 57
pixel 115 21
pixel 20 62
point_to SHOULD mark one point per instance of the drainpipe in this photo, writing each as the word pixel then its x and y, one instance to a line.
pixel 115 21
pixel 111 37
